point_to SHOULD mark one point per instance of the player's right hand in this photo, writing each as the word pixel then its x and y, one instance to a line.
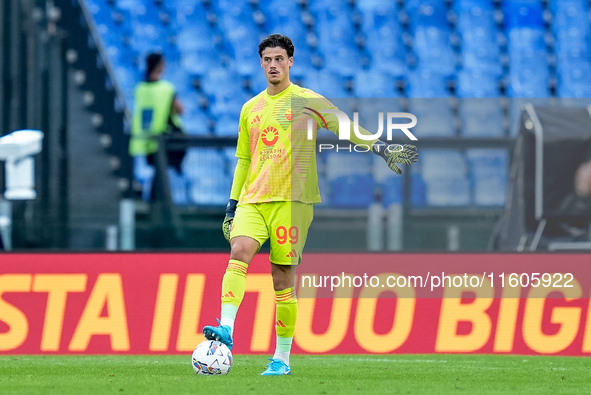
pixel 395 153
pixel 230 212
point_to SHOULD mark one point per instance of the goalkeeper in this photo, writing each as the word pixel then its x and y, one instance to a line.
pixel 274 190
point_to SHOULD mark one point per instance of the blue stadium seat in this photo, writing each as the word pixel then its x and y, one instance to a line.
pixel 111 32
pixel 568 14
pixel 432 13
pixel 489 174
pixel 336 39
pixel 369 110
pixel 478 34
pixel 422 84
pixel 476 84
pixel 243 38
pixel 462 6
pixel 188 13
pixel 352 191
pixel 383 35
pixel 144 173
pixel 439 163
pixel 101 11
pixel 479 60
pixel 147 36
pixel 529 72
pixel 349 178
pixel 196 122
pixel 303 61
pixel 491 191
pixel 344 60
pixel 488 161
pixel 418 192
pixel 258 80
pixel 372 83
pixel 209 179
pixel 570 60
pixel 378 7
pixel 435 117
pixel 523 13
pixel 221 79
pixel 389 183
pixel 433 50
pixel 526 39
pixel 178 76
pixel 178 187
pixel 448 192
pixel 482 117
pixel 529 76
pixel 573 81
pixel 130 5
pixel 231 160
pixel 445 175
pixel 572 39
pixel 200 62
pixel 198 51
pixel 126 78
pixel 241 33
pixel 192 38
pixel 326 83
pixel 228 102
pixel 475 16
pixel 118 55
pixel 226 125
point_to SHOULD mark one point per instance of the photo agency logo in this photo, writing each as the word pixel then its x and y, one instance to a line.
pixel 344 132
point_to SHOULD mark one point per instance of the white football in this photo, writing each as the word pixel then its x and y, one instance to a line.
pixel 212 357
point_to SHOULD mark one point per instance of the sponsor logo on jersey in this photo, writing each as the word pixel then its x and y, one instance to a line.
pixel 270 136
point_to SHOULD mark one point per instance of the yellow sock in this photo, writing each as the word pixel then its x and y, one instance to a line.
pixel 287 312
pixel 233 286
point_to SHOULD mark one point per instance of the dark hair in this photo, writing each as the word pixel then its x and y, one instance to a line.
pixel 152 61
pixel 277 40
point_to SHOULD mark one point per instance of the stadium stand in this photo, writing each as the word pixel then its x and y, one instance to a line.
pixel 455 60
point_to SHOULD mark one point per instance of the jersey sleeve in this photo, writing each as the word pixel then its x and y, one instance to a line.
pixel 243 145
pixel 240 174
pixel 331 121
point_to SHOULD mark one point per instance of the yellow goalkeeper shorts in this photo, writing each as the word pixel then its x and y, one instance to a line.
pixel 285 223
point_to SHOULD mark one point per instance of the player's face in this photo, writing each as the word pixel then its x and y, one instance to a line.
pixel 276 64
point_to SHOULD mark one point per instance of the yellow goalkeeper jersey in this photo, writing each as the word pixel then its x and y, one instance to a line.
pixel 278 139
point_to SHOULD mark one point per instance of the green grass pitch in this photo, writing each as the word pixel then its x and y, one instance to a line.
pixel 311 374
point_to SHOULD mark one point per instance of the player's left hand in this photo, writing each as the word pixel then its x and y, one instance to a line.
pixel 396 153
pixel 230 212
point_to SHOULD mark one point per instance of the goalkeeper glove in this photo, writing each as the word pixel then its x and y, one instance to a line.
pixel 396 153
pixel 230 212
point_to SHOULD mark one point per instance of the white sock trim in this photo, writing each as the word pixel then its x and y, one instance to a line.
pixel 228 316
pixel 282 356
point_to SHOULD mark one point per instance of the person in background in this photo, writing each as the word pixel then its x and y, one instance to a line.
pixel 583 180
pixel 156 111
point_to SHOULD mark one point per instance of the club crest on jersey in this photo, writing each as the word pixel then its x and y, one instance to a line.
pixel 270 136
pixel 288 114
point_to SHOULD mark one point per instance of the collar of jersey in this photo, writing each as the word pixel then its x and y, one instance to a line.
pixel 273 97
